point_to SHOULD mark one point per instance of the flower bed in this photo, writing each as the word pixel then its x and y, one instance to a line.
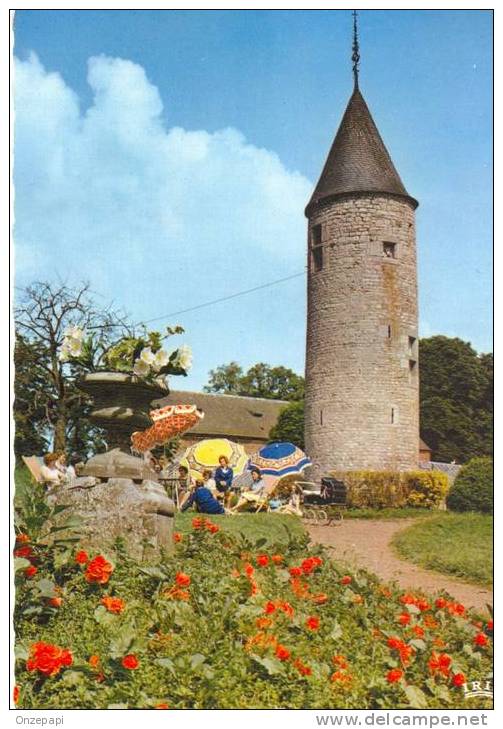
pixel 226 624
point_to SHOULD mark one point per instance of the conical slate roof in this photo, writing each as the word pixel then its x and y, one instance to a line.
pixel 358 161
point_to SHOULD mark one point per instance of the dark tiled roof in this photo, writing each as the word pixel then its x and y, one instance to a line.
pixel 358 161
pixel 229 415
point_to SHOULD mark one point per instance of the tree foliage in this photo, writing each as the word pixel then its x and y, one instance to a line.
pixel 456 391
pixel 473 487
pixel 260 380
pixel 48 406
pixel 290 425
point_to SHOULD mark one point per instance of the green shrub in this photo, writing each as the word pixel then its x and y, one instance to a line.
pixel 473 487
pixel 394 489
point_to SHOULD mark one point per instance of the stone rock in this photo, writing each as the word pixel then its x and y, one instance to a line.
pixel 140 513
pixel 117 464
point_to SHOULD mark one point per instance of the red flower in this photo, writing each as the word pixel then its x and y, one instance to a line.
pixel 182 580
pixel 56 602
pixel 47 658
pixel 295 571
pixel 440 663
pixel 346 580
pixel 81 557
pixel 286 608
pixel 340 661
pixel 418 631
pixel 177 537
pixel 15 694
pixel 458 679
pixel 213 528
pixel 30 571
pixel 394 675
pixel 394 643
pixel 99 570
pixel 198 523
pixel 404 618
pixel 423 605
pixel 113 604
pixel 94 661
pixel 307 566
pixel 441 602
pixel 263 623
pixel 320 598
pixel 480 639
pixel 302 668
pixel 312 623
pixel 282 653
pixel 277 558
pixel 130 662
pixel 249 569
pixel 22 538
pixel 458 608
pixel 269 608
pixel 262 560
pixel 161 706
pixel 490 625
pixel 341 677
pixel 25 552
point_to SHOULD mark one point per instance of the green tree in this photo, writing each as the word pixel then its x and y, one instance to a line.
pixel 260 380
pixel 456 386
pixel 225 379
pixel 44 385
pixel 290 425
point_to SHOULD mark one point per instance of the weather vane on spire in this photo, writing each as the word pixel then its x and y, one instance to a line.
pixel 356 55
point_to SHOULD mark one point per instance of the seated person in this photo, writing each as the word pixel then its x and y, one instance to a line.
pixel 210 483
pixel 255 492
pixel 204 500
pixel 185 480
pixel 50 473
pixel 223 478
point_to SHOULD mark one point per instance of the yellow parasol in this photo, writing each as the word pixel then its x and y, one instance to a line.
pixel 205 455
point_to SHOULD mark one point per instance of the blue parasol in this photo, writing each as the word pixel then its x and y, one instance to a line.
pixel 279 459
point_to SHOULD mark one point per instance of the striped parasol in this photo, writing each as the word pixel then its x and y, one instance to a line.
pixel 279 459
pixel 167 422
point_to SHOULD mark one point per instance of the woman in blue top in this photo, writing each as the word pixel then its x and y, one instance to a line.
pixel 204 500
pixel 223 477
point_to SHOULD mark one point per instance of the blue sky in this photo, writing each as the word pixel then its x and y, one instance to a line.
pixel 167 156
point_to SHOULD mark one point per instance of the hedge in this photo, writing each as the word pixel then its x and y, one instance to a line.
pixel 395 489
pixel 473 487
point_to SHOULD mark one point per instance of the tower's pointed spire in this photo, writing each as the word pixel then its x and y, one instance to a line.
pixel 356 49
pixel 358 161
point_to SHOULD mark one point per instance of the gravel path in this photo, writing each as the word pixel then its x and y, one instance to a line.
pixel 366 543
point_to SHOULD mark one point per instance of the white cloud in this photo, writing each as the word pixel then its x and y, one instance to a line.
pixel 112 190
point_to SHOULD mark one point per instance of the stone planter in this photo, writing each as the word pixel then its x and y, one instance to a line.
pixel 121 404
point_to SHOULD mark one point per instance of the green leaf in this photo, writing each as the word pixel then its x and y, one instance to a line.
pixel 167 663
pixel 271 665
pixel 20 563
pixel 417 698
pixel 46 588
pixel 154 572
pixel 103 617
pixel 61 558
pixel 336 631
pixel 21 652
pixel 197 660
pixel 120 645
pixel 418 643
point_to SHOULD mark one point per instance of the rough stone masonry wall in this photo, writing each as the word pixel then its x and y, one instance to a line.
pixel 362 393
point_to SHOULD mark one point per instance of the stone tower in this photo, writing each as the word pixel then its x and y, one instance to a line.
pixel 362 385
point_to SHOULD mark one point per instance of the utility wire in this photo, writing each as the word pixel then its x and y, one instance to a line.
pixel 224 298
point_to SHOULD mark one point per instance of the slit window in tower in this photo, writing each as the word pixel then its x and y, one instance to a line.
pixel 389 331
pixel 392 416
pixel 412 341
pixel 389 250
pixel 321 417
pixel 317 248
pixel 412 369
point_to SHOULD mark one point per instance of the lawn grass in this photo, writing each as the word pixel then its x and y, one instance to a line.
pixel 454 544
pixel 276 528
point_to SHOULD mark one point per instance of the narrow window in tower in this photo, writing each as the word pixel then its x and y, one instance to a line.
pixel 412 370
pixel 389 331
pixel 412 341
pixel 389 250
pixel 321 417
pixel 317 248
pixel 392 416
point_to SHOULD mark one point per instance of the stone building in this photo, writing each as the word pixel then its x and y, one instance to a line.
pixel 362 385
pixel 245 420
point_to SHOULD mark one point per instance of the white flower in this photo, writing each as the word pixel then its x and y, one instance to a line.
pixel 74 332
pixel 63 355
pixel 147 355
pixel 73 347
pixel 184 359
pixel 141 368
pixel 161 359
